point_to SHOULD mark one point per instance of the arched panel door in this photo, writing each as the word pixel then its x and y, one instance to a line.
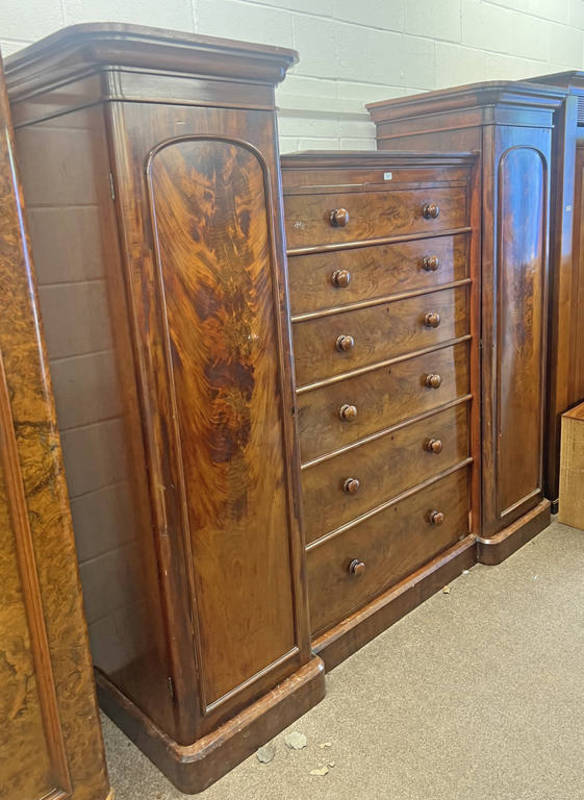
pixel 218 289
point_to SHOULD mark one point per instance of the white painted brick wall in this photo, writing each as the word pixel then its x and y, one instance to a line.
pixel 351 51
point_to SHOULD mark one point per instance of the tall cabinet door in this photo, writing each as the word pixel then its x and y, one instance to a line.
pixel 515 286
pixel 213 342
pixel 50 739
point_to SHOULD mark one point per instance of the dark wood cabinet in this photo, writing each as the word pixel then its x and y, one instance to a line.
pixel 50 737
pixel 510 126
pixel 269 461
pixel 169 343
pixel 543 118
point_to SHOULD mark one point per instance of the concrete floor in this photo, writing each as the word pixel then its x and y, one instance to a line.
pixel 476 695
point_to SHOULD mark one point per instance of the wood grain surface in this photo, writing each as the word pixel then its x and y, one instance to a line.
pixel 378 332
pixel 383 397
pixel 371 214
pixel 391 544
pixel 384 467
pixel 378 271
pixel 50 739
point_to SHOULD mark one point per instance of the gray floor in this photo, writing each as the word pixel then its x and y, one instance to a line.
pixel 476 695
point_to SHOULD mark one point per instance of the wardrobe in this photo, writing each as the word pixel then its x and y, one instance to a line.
pixel 296 396
pixel 50 739
pixel 495 118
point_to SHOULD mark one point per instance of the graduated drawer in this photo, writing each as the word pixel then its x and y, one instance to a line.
pixel 327 280
pixel 372 215
pixel 377 333
pixel 339 489
pixel 390 545
pixel 383 397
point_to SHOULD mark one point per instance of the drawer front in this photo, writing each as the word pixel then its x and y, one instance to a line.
pixel 372 215
pixel 340 489
pixel 328 280
pixel 391 545
pixel 342 342
pixel 382 397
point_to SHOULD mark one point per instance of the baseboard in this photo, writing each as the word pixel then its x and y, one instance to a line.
pixel 355 631
pixel 500 546
pixel 555 506
pixel 194 767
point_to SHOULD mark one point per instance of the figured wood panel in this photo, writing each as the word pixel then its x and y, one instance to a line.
pixel 391 544
pixel 372 214
pixel 50 740
pixel 383 397
pixel 213 245
pixel 521 224
pixel 378 332
pixel 384 467
pixel 375 271
pixel 33 762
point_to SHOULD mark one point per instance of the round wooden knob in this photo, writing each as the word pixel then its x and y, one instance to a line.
pixel 351 485
pixel 431 263
pixel 436 517
pixel 347 412
pixel 341 278
pixel 339 217
pixel 432 319
pixel 345 342
pixel 430 210
pixel 433 380
pixel 356 567
pixel 433 446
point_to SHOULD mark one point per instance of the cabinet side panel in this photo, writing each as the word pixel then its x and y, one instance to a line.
pixel 82 300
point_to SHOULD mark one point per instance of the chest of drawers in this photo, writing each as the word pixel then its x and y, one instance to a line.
pixel 384 290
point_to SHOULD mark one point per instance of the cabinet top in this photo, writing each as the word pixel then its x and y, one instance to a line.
pixel 83 49
pixel 517 94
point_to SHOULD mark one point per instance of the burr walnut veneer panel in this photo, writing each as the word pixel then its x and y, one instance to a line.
pixel 50 739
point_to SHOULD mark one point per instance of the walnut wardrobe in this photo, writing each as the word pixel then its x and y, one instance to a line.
pixel 50 738
pixel 271 456
pixel 519 118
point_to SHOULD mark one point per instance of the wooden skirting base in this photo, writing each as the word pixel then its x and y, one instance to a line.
pixel 352 633
pixel 192 768
pixel 510 539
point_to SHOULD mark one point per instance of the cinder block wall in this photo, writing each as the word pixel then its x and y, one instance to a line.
pixel 351 51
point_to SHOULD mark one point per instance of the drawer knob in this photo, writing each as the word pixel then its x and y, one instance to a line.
pixel 344 343
pixel 431 263
pixel 432 319
pixel 339 217
pixel 430 210
pixel 433 446
pixel 356 567
pixel 348 412
pixel 433 380
pixel 351 485
pixel 341 278
pixel 436 517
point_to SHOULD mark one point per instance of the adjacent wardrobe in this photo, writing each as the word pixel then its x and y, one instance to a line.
pixel 509 121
